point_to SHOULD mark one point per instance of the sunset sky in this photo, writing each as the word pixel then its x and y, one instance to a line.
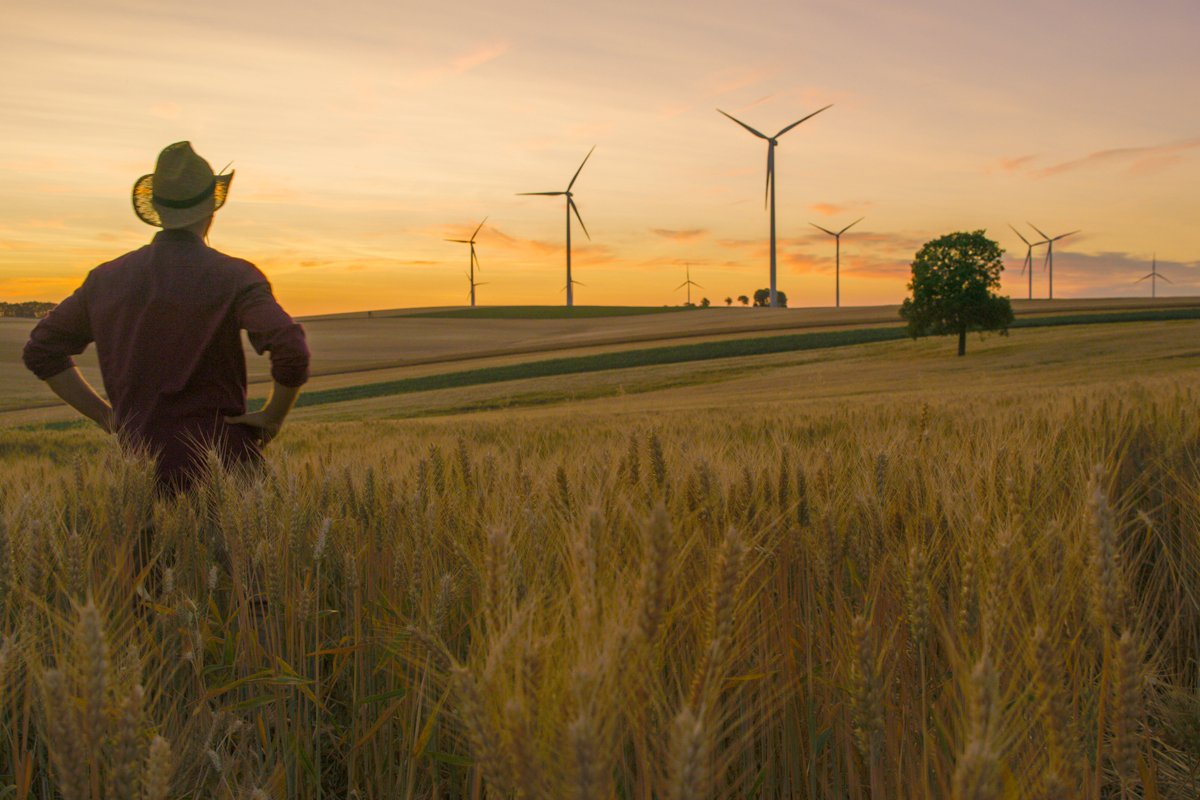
pixel 364 133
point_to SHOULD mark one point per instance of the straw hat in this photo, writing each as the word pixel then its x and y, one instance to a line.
pixel 181 191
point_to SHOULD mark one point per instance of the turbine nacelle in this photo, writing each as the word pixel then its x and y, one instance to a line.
pixel 474 262
pixel 769 193
pixel 1048 263
pixel 571 209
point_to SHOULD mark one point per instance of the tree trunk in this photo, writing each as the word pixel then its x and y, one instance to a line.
pixel 962 341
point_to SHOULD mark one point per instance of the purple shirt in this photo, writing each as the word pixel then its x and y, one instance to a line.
pixel 166 320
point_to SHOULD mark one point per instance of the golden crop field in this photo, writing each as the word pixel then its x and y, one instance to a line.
pixel 863 572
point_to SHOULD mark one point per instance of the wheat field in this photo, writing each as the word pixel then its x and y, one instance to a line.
pixel 970 596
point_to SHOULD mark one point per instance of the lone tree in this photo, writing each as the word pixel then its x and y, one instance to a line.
pixel 952 285
pixel 743 299
pixel 762 298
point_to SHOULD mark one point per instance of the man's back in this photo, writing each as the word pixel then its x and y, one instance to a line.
pixel 166 321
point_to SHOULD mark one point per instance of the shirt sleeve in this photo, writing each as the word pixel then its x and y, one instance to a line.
pixel 270 329
pixel 66 331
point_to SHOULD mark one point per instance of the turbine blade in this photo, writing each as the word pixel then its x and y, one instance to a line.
pixel 475 260
pixel 770 173
pixel 585 158
pixel 1144 277
pixel 826 230
pixel 851 225
pixel 473 235
pixel 797 122
pixel 575 208
pixel 1036 228
pixel 744 125
pixel 460 241
pixel 1065 235
pixel 698 286
pixel 680 286
pixel 1162 277
pixel 1019 235
pixel 540 194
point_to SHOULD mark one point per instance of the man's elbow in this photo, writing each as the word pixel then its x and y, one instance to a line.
pixel 291 372
pixel 43 364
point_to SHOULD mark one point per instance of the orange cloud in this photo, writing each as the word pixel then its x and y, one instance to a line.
pixel 827 209
pixel 515 244
pixel 682 235
pixel 462 64
pixel 1139 158
pixel 1015 164
pixel 478 57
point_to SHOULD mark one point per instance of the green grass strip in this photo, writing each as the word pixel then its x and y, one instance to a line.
pixel 625 359
pixel 550 312
pixel 682 353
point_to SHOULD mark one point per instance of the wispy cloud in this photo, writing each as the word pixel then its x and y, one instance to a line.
pixel 511 244
pixel 464 62
pixel 478 57
pixel 688 235
pixel 834 209
pixel 1139 160
pixel 1015 164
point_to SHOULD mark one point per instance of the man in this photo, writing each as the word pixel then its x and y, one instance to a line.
pixel 167 321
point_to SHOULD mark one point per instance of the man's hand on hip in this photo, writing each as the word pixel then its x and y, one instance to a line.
pixel 270 418
pixel 267 426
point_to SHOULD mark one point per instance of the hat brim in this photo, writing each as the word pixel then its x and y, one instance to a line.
pixel 160 216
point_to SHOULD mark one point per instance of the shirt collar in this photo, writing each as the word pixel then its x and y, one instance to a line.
pixel 177 235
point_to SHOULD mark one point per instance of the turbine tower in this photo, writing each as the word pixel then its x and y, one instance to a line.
pixel 689 283
pixel 1049 262
pixel 837 296
pixel 570 207
pixel 1028 265
pixel 474 259
pixel 1154 275
pixel 772 141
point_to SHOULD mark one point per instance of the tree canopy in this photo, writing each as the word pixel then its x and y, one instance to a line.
pixel 953 285
pixel 762 298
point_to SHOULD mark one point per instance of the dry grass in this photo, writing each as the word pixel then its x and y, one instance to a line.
pixel 960 597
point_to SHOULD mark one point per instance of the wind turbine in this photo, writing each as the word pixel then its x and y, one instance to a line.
pixel 570 207
pixel 772 141
pixel 474 259
pixel 689 283
pixel 1154 275
pixel 1049 262
pixel 1028 265
pixel 837 302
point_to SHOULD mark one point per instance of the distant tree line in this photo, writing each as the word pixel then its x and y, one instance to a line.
pixel 762 299
pixel 30 309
